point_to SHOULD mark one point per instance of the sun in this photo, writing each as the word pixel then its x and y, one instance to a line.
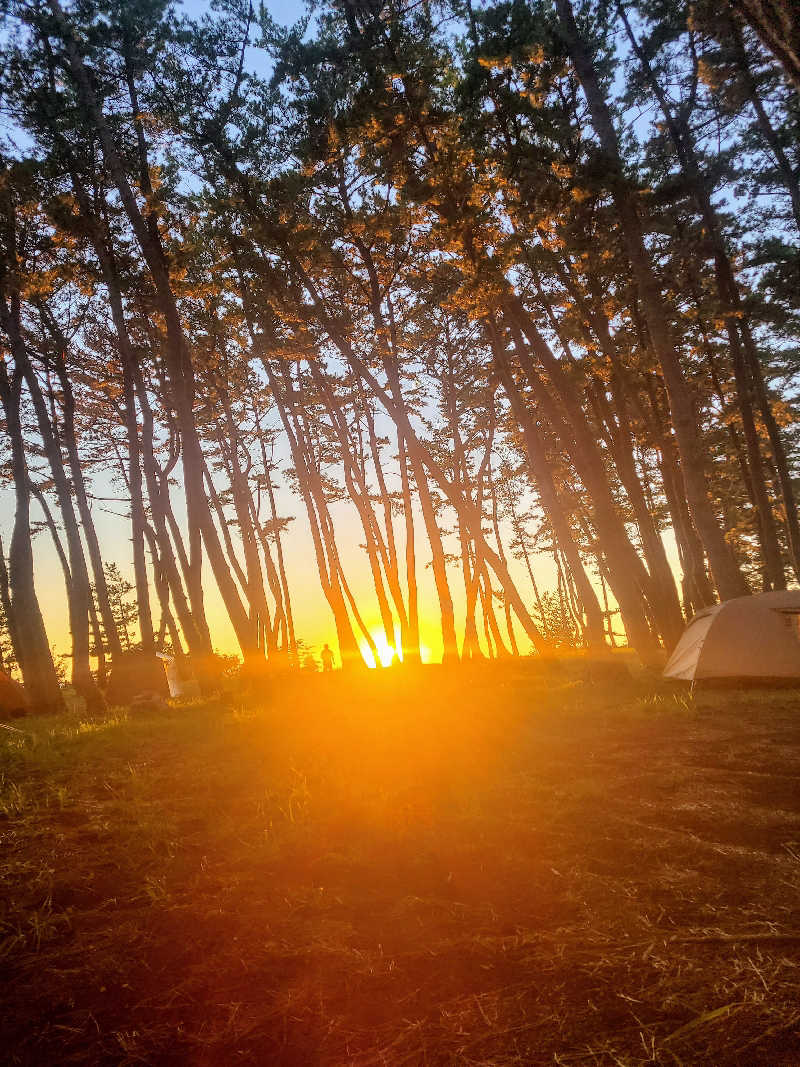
pixel 387 654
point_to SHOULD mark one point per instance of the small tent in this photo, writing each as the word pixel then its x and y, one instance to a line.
pixel 754 638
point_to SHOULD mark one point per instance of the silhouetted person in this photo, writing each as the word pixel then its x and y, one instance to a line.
pixel 327 658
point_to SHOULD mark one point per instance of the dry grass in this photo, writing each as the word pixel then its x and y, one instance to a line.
pixel 477 869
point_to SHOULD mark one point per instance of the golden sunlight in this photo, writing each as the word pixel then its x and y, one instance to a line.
pixel 399 532
pixel 387 655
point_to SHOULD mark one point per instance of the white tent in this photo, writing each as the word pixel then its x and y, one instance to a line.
pixel 751 637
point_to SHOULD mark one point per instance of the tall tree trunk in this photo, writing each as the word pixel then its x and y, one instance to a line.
pixel 630 580
pixel 99 236
pixel 200 522
pixel 411 649
pixel 280 624
pixel 470 647
pixel 727 575
pixel 133 386
pixel 242 502
pixel 512 640
pixel 284 582
pixel 32 651
pixel 438 561
pixel 138 514
pixel 593 321
pixel 78 590
pixel 657 581
pixel 696 580
pixel 349 652
pixel 415 449
pixel 287 600
pixel 94 621
pixel 408 641
pixel 541 472
pixel 359 494
pixel 167 622
pixel 789 175
pixel 735 323
pixel 196 635
pixel 776 23
pixel 79 486
pixel 8 609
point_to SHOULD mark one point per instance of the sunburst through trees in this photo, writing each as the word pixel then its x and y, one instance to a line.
pixel 507 291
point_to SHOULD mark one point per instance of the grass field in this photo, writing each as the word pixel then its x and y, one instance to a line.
pixel 489 868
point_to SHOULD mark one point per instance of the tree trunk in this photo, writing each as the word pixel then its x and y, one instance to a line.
pixel 359 494
pixel 349 652
pixel 543 479
pixel 78 590
pixel 735 323
pixel 789 176
pixel 630 579
pixel 411 649
pixel 729 579
pixel 776 23
pixel 33 651
pixel 8 609
pixel 199 519
pixel 284 583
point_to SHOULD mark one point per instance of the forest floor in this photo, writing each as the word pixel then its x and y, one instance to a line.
pixel 483 868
